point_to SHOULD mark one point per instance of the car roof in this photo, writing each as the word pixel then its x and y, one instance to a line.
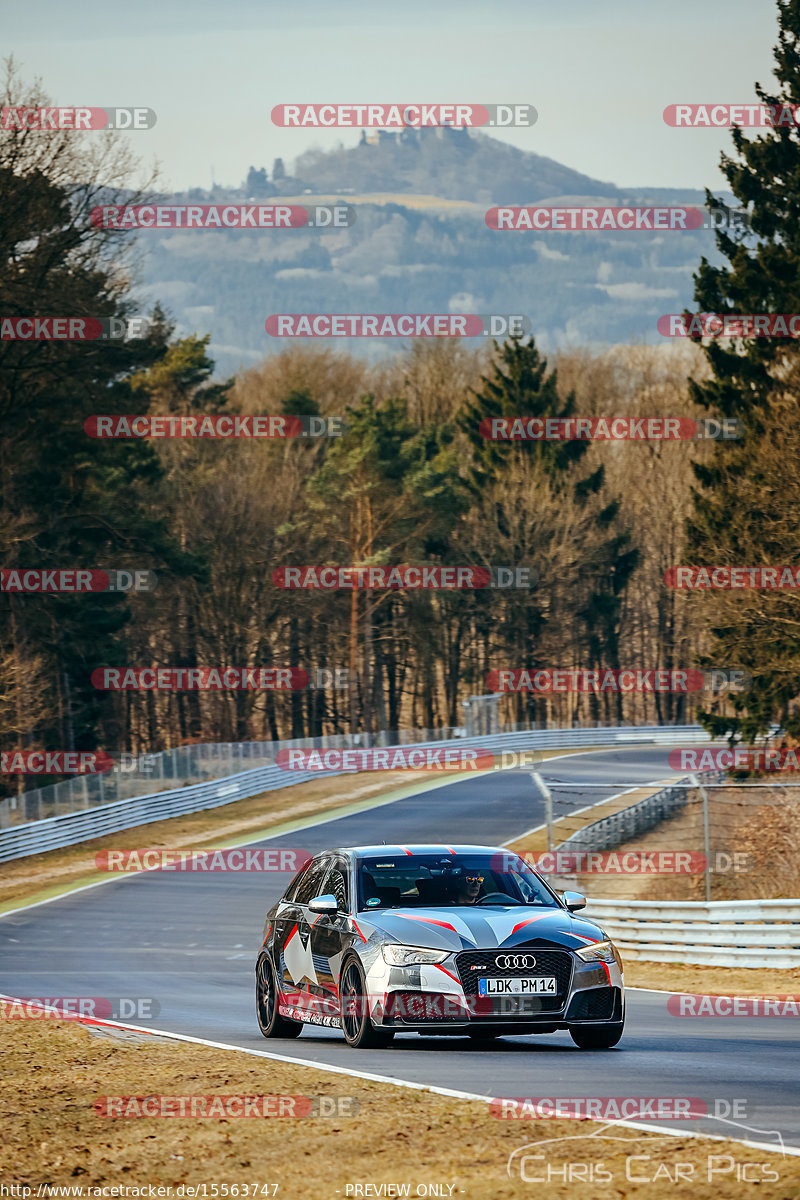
pixel 415 848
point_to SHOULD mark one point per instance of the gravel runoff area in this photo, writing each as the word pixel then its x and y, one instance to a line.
pixel 376 1141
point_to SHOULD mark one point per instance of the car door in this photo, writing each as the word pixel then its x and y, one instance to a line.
pixel 284 919
pixel 294 963
pixel 330 935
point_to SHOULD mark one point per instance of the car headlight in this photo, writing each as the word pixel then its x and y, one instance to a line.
pixel 410 956
pixel 600 952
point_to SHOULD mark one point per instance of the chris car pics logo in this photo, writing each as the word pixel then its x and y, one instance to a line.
pixel 596 1157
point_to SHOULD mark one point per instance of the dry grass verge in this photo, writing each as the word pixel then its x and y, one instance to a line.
pixel 718 981
pixel 54 1072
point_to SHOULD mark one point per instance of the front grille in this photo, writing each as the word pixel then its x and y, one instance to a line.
pixel 548 962
pixel 594 1005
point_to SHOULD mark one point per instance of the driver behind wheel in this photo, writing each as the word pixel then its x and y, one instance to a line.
pixel 469 889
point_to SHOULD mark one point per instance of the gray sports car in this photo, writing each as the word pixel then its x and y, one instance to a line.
pixel 377 940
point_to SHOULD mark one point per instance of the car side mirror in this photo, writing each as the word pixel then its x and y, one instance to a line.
pixel 574 901
pixel 324 904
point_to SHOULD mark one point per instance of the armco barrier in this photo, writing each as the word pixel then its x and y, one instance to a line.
pixel 182 766
pixel 55 832
pixel 735 933
pixel 619 827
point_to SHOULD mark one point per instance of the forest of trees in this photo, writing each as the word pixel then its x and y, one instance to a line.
pixel 410 481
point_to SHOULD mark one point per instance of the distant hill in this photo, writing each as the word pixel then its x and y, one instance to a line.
pixel 420 244
pixel 453 164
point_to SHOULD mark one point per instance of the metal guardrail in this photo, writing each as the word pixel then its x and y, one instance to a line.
pixel 732 933
pixel 141 774
pixel 133 775
pixel 620 827
pixel 52 833
pixel 692 932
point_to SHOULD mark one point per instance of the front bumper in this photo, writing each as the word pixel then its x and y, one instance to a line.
pixel 444 998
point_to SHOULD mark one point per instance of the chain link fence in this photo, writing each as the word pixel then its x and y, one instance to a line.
pixel 184 766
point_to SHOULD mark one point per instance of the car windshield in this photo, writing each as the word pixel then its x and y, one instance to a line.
pixel 425 880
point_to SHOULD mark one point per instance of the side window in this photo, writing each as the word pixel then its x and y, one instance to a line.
pixel 311 883
pixel 336 883
pixel 291 891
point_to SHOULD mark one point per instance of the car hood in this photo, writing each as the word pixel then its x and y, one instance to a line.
pixel 485 928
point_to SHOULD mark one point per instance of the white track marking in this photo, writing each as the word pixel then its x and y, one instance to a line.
pixel 451 1093
pixel 628 791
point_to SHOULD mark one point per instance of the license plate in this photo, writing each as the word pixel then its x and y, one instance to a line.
pixel 541 985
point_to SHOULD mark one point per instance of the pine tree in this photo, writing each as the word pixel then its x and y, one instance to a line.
pixel 754 381
pixel 67 500
pixel 519 385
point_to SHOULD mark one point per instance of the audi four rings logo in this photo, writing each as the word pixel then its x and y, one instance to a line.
pixel 515 962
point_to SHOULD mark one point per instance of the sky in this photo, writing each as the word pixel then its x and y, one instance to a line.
pixel 599 74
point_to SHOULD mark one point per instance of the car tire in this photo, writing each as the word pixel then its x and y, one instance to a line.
pixel 270 1022
pixel 357 1026
pixel 596 1037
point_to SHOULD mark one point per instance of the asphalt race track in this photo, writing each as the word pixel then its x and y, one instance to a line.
pixel 189 941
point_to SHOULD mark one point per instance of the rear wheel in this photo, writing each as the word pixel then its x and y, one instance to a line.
pixel 356 1024
pixel 596 1037
pixel 270 1022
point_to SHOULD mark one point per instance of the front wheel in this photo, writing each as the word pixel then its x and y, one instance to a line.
pixel 356 1024
pixel 596 1037
pixel 270 1022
